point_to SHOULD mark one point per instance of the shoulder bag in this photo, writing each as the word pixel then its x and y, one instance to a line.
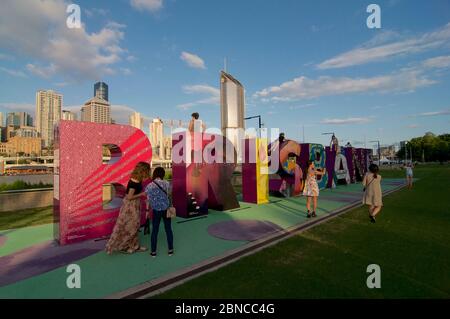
pixel 171 211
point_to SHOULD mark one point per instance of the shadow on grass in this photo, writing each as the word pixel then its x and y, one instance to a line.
pixel 26 217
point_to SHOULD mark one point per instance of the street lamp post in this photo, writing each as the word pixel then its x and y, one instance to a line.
pixel 259 121
pixel 330 133
pixel 379 151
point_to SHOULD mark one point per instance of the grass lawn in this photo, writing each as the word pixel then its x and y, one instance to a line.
pixel 410 242
pixel 25 218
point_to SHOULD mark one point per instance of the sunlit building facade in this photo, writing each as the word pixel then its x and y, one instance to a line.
pixel 96 110
pixel 68 116
pixel 136 120
pixel 48 113
pixel 157 137
pixel 232 109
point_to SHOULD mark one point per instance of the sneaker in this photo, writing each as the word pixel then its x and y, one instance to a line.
pixel 153 254
pixel 308 215
pixel 314 214
pixel 170 252
pixel 372 219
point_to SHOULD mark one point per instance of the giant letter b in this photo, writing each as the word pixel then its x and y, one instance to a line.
pixel 80 175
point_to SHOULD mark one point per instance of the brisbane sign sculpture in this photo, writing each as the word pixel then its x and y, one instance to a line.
pixel 203 167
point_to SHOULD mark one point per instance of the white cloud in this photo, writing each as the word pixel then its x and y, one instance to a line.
pixel 303 106
pixel 131 58
pixel 436 113
pixel 306 88
pixel 371 52
pixel 438 62
pixel 202 89
pixel 126 71
pixel 37 30
pixel 213 95
pixel 147 5
pixel 96 12
pixel 42 71
pixel 15 73
pixel 346 121
pixel 193 60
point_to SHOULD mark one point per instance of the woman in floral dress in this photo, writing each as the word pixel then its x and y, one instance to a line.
pixel 311 189
pixel 125 237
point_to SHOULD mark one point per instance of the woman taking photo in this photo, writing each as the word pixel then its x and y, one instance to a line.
pixel 158 199
pixel 311 189
pixel 124 237
pixel 372 191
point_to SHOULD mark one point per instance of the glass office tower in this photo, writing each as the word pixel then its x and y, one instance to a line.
pixel 232 110
pixel 19 119
pixel 101 90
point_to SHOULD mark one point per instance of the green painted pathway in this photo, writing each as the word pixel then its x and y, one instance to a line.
pixel 103 275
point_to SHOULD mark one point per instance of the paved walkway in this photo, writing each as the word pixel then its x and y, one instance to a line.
pixel 32 266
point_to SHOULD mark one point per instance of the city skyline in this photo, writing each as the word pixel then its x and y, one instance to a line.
pixel 318 67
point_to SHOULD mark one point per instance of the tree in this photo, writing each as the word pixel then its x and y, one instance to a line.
pixel 434 148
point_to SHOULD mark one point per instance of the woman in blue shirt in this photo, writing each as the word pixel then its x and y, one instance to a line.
pixel 158 199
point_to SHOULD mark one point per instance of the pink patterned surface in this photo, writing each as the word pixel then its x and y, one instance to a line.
pixel 80 175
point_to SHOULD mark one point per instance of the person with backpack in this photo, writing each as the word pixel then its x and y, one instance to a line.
pixel 158 199
pixel 373 195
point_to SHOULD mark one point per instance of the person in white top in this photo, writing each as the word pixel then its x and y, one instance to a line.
pixel 409 175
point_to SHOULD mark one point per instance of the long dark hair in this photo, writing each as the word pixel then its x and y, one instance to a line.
pixel 305 172
pixel 374 169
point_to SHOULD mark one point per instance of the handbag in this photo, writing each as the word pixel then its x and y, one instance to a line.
pixel 171 211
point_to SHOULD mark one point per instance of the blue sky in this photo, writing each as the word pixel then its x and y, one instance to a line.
pixel 303 63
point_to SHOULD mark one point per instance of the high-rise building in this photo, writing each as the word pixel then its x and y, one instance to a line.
pixel 101 90
pixel 136 120
pixel 68 116
pixel 96 110
pixel 157 137
pixel 168 147
pixel 232 109
pixel 1 119
pixel 48 113
pixel 19 119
